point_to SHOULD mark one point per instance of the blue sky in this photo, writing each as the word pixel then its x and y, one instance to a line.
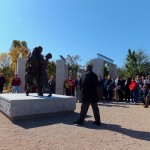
pixel 77 27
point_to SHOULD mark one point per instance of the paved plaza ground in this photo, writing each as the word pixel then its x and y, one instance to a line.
pixel 125 126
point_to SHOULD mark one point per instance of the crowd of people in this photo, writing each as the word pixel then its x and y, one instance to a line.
pixel 72 87
pixel 132 90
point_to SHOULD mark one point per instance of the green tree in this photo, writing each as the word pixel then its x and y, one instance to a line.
pixel 142 63
pixel 5 60
pixel 18 48
pixel 123 72
pixel 89 62
pixel 72 62
pixel 5 66
pixel 137 63
pixel 131 63
pixel 106 69
pixel 51 68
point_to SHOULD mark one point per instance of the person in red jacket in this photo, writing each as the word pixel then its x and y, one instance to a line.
pixel 15 84
pixel 71 84
pixel 133 86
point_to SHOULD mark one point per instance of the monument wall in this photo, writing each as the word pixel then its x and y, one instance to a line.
pixel 61 76
pixel 21 73
pixel 113 71
pixel 98 67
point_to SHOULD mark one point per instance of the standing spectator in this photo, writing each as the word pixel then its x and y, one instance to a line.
pixel 127 90
pixel 100 88
pixel 147 99
pixel 66 87
pixel 143 80
pixel 77 85
pixel 15 84
pixel 105 88
pixel 143 93
pixel 2 82
pixel 120 88
pixel 71 86
pixel 52 84
pixel 134 90
pixel 140 85
pixel 110 90
pixel 89 96
pixel 147 81
pixel 110 85
pixel 116 88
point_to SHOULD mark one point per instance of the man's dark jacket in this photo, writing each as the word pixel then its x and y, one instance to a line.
pixel 89 87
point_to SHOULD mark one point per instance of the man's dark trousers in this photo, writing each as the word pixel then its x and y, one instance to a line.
pixel 84 109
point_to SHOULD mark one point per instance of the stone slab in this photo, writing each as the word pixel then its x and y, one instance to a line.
pixel 16 106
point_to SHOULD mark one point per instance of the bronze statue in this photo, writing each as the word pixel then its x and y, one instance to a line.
pixel 36 71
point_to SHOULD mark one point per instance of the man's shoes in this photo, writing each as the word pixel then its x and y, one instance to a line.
pixel 27 93
pixel 145 106
pixel 78 122
pixel 49 95
pixel 97 123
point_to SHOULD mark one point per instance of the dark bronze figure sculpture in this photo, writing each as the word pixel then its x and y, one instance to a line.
pixel 36 71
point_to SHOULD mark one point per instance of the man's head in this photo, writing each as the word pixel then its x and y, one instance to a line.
pixel 89 67
pixel 78 76
pixel 1 74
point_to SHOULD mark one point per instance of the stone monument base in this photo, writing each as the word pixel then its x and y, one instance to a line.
pixel 20 106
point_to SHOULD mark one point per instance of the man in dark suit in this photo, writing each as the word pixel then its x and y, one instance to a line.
pixel 89 96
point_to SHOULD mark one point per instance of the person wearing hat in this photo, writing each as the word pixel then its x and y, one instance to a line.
pixel 89 96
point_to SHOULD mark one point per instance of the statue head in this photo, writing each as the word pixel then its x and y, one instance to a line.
pixel 37 50
pixel 48 56
pixel 40 49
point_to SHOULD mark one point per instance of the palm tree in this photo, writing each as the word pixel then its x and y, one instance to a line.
pixel 131 62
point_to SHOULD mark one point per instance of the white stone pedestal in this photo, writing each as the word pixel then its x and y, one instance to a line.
pixel 20 106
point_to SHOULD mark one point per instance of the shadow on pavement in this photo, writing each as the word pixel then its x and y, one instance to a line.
pixel 69 118
pixel 112 105
pixel 117 128
pixel 48 120
pixel 116 103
